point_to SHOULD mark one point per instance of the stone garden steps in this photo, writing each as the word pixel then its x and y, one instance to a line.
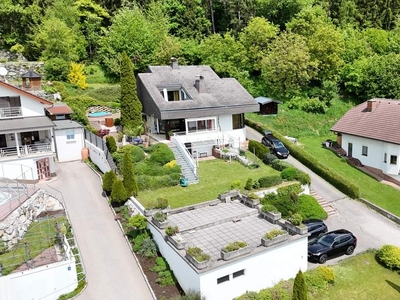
pixel 325 205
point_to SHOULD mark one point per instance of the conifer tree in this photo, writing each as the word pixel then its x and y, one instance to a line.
pixel 131 107
pixel 299 287
pixel 118 193
pixel 108 180
pixel 128 174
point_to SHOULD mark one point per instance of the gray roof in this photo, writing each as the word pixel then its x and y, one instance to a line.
pixel 25 124
pixel 31 74
pixel 265 100
pixel 66 124
pixel 222 96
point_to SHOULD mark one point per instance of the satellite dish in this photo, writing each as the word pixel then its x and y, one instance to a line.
pixel 3 71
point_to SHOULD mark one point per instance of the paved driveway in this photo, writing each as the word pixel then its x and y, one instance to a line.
pixel 112 271
pixel 371 229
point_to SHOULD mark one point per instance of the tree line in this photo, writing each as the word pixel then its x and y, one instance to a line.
pixel 307 52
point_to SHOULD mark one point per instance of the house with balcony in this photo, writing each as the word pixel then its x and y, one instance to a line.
pixel 195 108
pixel 27 148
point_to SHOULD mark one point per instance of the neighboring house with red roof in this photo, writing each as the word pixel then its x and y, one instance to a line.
pixel 59 112
pixel 370 132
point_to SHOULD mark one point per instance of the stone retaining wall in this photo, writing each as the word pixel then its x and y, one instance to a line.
pixel 16 224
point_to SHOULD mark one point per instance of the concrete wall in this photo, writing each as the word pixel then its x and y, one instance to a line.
pixel 261 270
pixel 24 168
pixel 69 150
pixel 98 157
pixel 376 153
pixel 46 282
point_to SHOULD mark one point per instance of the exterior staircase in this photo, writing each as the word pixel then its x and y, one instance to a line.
pixel 185 169
pixel 109 158
pixel 325 205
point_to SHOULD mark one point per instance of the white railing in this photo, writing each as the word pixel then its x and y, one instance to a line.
pixel 186 155
pixel 10 112
pixel 27 150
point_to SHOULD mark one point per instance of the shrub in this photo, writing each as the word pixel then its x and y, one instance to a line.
pixel 289 174
pixel 269 207
pixel 171 230
pixel 108 180
pixel 139 239
pixel 76 75
pixel 156 182
pixel 197 254
pixel 315 280
pixel 136 153
pixel 160 216
pixel 269 158
pixel 253 196
pixel 256 185
pixel 106 94
pixel 249 184
pixel 190 295
pixel 162 154
pixel 159 203
pixel 269 181
pixel 118 192
pixel 268 198
pixel 296 219
pixel 129 178
pixel 289 189
pixel 299 287
pixel 56 69
pixel 138 221
pixel 309 208
pixel 160 265
pixel 111 144
pixel 166 278
pixel 274 233
pixel 389 256
pixel 258 149
pixel 327 274
pixel 148 248
pixel 60 87
pixel 117 121
pixel 303 177
pixel 280 165
pixel 234 246
pixel 236 185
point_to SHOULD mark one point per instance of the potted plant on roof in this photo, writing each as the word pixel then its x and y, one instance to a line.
pixel 160 219
pixel 234 250
pixel 273 237
pixel 294 224
pixel 175 238
pixel 157 205
pixel 270 212
pixel 197 257
pixel 251 199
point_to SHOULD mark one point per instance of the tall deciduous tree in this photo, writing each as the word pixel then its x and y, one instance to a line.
pixel 131 107
pixel 128 174
pixel 299 287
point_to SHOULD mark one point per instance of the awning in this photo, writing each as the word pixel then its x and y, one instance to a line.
pixel 25 124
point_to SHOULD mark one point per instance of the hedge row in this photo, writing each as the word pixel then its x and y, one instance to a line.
pixel 338 181
pixel 258 149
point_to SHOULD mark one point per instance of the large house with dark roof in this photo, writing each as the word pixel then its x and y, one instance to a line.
pixel 194 106
pixel 370 132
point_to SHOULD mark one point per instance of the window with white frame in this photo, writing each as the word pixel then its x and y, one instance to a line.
pixel 70 133
pixel 364 151
pixel 393 159
pixel 198 125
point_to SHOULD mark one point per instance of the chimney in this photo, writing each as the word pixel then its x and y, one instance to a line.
pixel 174 63
pixel 371 104
pixel 200 84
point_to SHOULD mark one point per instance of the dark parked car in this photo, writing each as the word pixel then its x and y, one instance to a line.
pixel 275 146
pixel 332 243
pixel 134 140
pixel 316 228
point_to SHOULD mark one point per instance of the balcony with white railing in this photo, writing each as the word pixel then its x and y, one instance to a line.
pixel 10 112
pixel 25 151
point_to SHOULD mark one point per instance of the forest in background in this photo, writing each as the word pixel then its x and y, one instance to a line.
pixel 303 52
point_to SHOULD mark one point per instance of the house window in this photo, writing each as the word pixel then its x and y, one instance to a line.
pixel 364 150
pixel 173 93
pixel 385 158
pixel 223 279
pixel 237 121
pixel 393 159
pixel 200 125
pixel 70 134
pixel 238 273
pixel 60 117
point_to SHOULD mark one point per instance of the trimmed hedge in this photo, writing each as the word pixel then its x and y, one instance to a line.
pixel 280 165
pixel 338 181
pixel 258 149
pixel 309 208
pixel 269 181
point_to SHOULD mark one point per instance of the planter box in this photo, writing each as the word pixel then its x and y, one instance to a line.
pixel 197 264
pixel 161 225
pixel 271 216
pixel 276 240
pixel 233 254
pixel 178 241
pixel 150 212
pixel 296 229
pixel 250 202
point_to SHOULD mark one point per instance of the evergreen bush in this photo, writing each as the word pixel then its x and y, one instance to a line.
pixel 269 158
pixel 249 184
pixel 389 256
pixel 309 208
pixel 269 208
pixel 148 248
pixel 162 154
pixel 289 174
pixel 128 174
pixel 258 149
pixel 118 192
pixel 108 180
pixel 269 181
pixel 299 287
pixel 296 219
pixel 111 143
pixel 280 165
pixel 236 185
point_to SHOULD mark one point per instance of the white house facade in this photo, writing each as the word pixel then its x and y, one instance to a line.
pixel 26 136
pixel 70 140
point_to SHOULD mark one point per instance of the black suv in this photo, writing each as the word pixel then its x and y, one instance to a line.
pixel 275 146
pixel 332 243
pixel 316 228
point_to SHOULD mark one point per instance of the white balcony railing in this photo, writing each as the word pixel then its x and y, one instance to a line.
pixel 10 112
pixel 27 150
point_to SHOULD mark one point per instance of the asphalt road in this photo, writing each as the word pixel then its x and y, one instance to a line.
pixel 111 270
pixel 371 229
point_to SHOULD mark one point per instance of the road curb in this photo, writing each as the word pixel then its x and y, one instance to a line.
pixel 381 211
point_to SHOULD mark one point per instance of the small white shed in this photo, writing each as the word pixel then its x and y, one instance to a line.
pixel 70 140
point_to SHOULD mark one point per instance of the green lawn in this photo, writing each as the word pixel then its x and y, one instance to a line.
pixel 311 130
pixel 216 177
